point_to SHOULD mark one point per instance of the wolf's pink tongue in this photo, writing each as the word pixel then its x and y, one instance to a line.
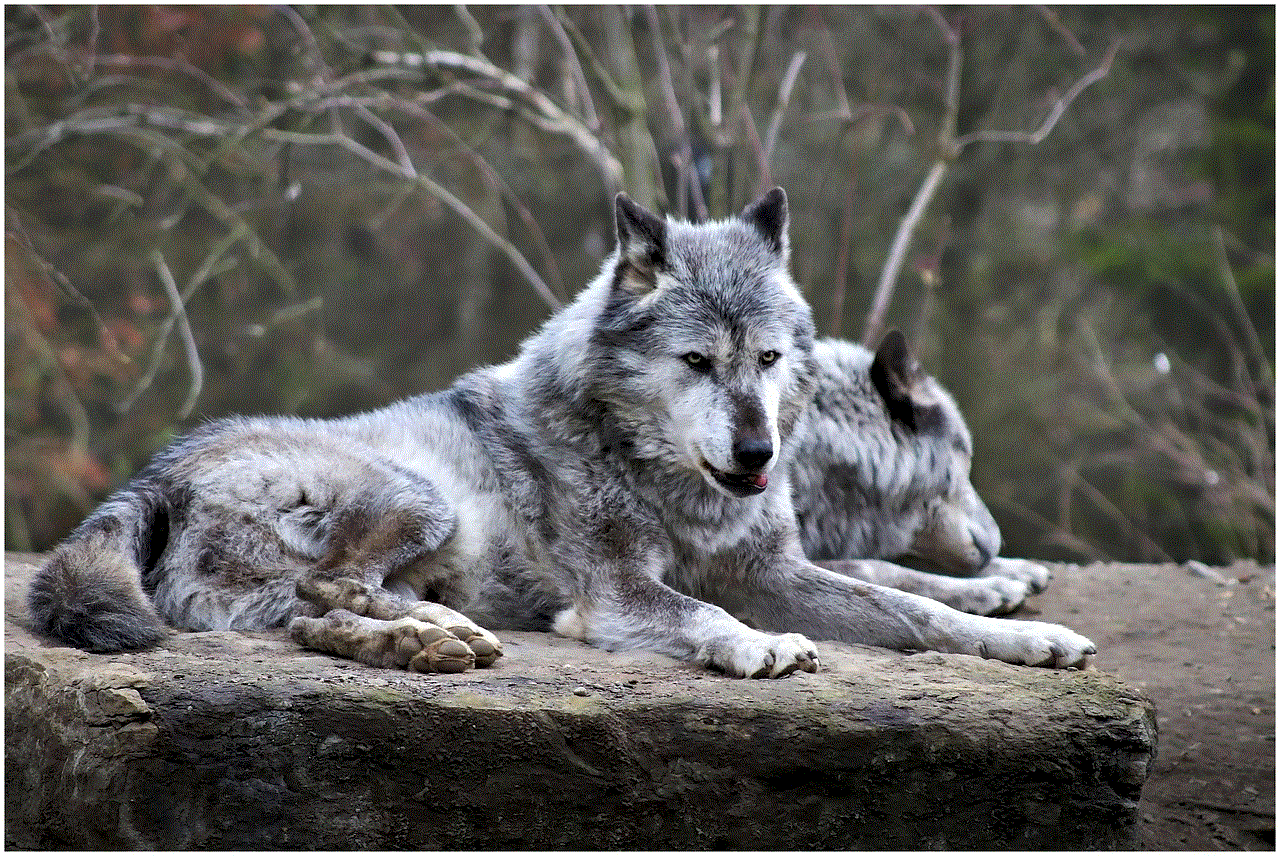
pixel 761 481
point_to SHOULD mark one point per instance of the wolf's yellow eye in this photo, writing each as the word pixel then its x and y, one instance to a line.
pixel 768 358
pixel 701 362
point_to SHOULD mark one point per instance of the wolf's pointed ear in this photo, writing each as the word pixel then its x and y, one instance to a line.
pixel 769 215
pixel 642 245
pixel 897 377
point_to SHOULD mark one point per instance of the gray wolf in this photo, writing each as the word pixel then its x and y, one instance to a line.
pixel 881 470
pixel 623 481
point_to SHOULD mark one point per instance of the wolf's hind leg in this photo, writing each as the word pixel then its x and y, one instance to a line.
pixel 374 602
pixel 986 595
pixel 378 537
pixel 404 643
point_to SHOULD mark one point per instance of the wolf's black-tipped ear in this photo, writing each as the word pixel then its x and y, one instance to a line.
pixel 769 215
pixel 897 377
pixel 642 244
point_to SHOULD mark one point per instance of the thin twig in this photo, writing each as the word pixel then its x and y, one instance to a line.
pixel 579 79
pixel 95 31
pixel 898 251
pixel 106 338
pixel 458 206
pixel 176 65
pixel 784 98
pixel 765 179
pixel 840 283
pixel 474 32
pixel 684 160
pixel 1055 113
pixel 950 147
pixel 184 332
pixel 497 183
pixel 211 267
pixel 833 63
pixel 1055 23
pixel 389 133
pixel 621 98
pixel 50 366
pixel 309 38
pixel 554 119
pixel 1052 532
pixel 1117 517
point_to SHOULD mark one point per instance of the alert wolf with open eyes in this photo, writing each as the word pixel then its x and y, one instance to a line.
pixel 624 481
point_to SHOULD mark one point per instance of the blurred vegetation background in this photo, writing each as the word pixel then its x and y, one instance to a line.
pixel 316 210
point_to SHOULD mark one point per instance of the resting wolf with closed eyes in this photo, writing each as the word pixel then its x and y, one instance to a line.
pixel 881 470
pixel 624 481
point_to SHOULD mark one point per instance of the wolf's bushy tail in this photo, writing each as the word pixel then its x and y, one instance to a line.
pixel 89 594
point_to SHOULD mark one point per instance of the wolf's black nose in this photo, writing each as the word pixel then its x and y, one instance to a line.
pixel 752 454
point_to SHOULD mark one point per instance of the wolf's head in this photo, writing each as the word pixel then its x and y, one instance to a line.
pixel 702 350
pixel 882 469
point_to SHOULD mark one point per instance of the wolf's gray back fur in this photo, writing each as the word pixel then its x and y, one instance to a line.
pixel 623 480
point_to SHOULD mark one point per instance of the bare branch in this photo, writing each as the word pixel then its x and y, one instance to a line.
pixel 474 32
pixel 176 65
pixel 684 160
pixel 621 98
pixel 784 98
pixel 389 133
pixel 495 182
pixel 1053 532
pixel 950 147
pixel 862 111
pixel 1055 113
pixel 833 64
pixel 575 68
pixel 765 179
pixel 1055 23
pixel 459 207
pixel 897 252
pixel 714 99
pixel 553 118
pixel 308 37
pixel 95 31
pixel 213 265
pixel 184 332
pixel 1116 516
pixel 105 337
pixel 950 36
pixel 840 283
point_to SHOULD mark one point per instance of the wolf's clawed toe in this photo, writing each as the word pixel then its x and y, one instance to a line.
pixel 990 596
pixel 405 643
pixel 1037 643
pixel 486 648
pixel 763 656
pixel 1035 575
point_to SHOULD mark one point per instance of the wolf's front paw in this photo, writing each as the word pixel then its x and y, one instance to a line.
pixel 987 595
pixel 1036 643
pixel 760 655
pixel 1035 575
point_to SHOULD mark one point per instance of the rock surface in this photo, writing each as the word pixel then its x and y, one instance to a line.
pixel 243 741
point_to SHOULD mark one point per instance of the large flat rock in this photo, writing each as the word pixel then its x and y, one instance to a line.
pixel 243 741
